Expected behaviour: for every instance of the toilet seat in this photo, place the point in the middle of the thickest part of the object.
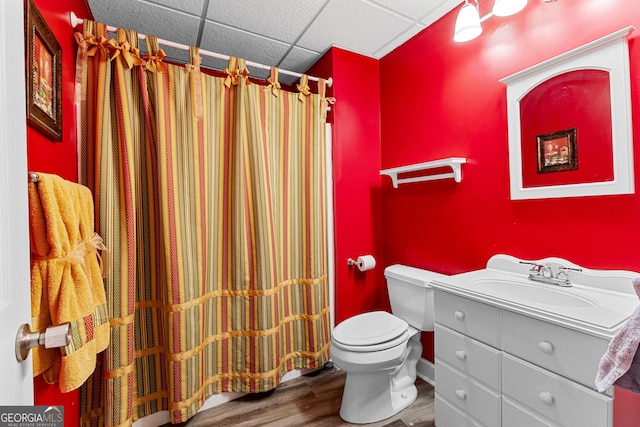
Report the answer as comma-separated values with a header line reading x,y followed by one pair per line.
x,y
374,331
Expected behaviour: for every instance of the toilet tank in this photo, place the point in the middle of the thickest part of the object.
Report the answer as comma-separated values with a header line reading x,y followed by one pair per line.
x,y
411,295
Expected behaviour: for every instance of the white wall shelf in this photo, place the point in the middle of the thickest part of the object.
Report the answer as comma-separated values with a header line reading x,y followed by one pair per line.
x,y
453,162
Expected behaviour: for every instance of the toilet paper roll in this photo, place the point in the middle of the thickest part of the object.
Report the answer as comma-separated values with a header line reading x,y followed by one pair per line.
x,y
366,262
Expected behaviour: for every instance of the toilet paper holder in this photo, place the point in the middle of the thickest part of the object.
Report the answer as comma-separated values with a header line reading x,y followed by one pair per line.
x,y
363,263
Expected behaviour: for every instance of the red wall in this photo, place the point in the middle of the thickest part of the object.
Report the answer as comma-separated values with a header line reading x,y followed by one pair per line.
x,y
60,158
450,103
446,102
356,177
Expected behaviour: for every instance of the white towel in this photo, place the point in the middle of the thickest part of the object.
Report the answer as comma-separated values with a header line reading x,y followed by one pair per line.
x,y
620,365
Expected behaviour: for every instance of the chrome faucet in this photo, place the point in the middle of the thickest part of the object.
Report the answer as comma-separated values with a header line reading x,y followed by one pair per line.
x,y
544,274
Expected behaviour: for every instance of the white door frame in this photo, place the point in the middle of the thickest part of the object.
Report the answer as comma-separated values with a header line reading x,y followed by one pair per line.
x,y
15,307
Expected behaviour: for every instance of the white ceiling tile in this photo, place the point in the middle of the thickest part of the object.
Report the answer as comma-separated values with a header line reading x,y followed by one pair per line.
x,y
414,9
299,60
190,6
291,34
282,20
398,41
444,7
146,18
356,25
230,41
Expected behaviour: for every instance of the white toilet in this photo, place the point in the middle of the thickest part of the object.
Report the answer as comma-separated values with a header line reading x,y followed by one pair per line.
x,y
379,351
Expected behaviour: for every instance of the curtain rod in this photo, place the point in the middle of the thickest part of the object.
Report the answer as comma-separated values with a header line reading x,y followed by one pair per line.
x,y
75,21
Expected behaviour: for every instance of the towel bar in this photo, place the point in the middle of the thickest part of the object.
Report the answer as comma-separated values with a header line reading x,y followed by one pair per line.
x,y
453,162
33,177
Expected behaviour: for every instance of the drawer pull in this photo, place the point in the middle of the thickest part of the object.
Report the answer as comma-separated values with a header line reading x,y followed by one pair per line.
x,y
459,315
461,355
461,394
546,398
546,347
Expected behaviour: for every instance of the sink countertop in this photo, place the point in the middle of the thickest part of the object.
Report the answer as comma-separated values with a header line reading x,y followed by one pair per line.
x,y
598,303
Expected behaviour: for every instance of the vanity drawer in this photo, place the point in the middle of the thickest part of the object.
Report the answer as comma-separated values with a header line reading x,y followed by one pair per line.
x,y
515,415
468,395
472,318
448,416
468,355
555,397
556,348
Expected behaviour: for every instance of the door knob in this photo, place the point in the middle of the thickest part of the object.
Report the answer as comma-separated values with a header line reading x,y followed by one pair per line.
x,y
52,337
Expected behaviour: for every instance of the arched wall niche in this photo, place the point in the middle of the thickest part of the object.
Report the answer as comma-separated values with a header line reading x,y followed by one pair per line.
x,y
580,101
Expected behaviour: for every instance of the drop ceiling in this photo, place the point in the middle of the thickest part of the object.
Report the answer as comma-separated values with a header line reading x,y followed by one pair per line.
x,y
289,34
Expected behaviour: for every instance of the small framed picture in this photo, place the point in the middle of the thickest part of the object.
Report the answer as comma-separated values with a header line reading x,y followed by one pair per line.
x,y
557,151
44,75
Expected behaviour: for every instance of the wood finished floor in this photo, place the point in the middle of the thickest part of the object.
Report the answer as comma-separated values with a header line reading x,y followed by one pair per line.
x,y
310,400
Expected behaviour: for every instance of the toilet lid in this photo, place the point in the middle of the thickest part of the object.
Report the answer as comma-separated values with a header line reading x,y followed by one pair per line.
x,y
371,330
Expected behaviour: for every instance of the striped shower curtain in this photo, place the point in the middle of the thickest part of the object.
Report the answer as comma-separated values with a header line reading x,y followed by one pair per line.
x,y
210,193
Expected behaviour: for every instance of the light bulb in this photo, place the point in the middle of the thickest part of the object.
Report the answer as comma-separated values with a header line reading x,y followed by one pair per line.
x,y
508,7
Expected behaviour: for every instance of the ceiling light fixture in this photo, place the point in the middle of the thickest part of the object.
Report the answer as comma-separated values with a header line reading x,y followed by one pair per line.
x,y
468,23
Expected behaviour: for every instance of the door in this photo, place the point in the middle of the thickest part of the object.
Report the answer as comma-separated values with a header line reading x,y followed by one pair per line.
x,y
15,308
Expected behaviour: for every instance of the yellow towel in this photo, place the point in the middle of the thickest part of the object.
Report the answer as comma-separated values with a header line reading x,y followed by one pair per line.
x,y
66,282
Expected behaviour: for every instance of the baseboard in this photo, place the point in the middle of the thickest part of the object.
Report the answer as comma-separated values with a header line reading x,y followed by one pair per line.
x,y
162,417
426,371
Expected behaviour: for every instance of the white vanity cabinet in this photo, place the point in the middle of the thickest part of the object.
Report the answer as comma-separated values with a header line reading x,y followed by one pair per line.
x,y
518,344
504,362
498,368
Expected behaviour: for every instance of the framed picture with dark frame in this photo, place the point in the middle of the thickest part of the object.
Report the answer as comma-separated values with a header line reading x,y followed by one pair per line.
x,y
557,151
44,75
